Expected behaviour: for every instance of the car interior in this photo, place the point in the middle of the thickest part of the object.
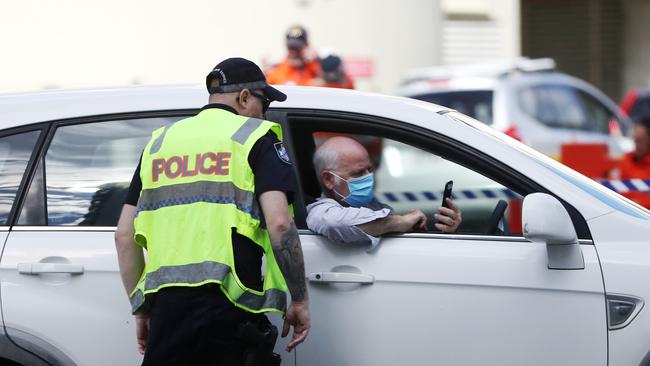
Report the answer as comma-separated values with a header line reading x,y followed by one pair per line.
x,y
303,130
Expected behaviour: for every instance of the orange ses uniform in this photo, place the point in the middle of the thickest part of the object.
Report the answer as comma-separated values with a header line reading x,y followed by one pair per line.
x,y
629,168
285,73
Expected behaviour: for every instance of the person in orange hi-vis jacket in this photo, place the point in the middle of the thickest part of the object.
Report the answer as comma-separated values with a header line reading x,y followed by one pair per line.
x,y
636,164
301,66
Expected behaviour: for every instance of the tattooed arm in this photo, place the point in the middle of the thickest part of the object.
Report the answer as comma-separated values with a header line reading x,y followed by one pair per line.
x,y
288,254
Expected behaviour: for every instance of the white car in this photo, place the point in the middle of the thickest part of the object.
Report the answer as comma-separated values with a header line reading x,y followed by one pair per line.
x,y
567,289
526,99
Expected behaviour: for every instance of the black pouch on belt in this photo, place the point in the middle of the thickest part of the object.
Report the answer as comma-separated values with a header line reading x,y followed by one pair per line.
x,y
259,339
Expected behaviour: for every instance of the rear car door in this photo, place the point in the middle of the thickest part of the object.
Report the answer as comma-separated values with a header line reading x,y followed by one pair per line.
x,y
18,148
448,299
61,289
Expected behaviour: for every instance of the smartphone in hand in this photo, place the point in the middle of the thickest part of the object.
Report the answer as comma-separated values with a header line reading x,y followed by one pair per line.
x,y
447,193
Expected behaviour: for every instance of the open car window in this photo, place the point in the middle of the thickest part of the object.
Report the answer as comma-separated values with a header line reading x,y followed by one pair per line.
x,y
413,164
410,178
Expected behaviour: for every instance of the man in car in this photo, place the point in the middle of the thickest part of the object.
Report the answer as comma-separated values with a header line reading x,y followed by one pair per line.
x,y
348,211
636,164
197,204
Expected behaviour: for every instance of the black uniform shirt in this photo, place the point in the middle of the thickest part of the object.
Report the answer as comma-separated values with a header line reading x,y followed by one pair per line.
x,y
272,173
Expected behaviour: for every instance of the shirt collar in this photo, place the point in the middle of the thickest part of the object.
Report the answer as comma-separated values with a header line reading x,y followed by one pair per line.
x,y
219,106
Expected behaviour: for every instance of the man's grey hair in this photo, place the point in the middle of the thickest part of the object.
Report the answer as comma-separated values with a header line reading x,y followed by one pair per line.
x,y
325,159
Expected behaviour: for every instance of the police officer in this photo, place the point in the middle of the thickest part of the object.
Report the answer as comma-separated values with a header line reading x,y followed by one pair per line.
x,y
210,196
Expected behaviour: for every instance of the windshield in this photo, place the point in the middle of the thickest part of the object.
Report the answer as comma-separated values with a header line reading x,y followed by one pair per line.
x,y
589,186
474,103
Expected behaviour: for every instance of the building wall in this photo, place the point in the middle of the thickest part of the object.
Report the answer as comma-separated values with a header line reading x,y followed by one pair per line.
x,y
583,36
636,44
81,43
478,30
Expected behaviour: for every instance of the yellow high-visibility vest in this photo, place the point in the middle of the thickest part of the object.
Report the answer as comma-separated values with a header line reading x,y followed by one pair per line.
x,y
197,186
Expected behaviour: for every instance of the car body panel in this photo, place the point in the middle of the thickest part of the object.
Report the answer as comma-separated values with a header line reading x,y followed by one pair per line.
x,y
453,301
87,307
625,260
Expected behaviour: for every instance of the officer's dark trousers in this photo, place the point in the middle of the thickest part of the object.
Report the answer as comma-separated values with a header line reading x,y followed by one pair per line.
x,y
194,326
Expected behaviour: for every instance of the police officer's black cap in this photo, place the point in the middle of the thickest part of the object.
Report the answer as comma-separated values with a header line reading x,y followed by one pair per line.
x,y
235,74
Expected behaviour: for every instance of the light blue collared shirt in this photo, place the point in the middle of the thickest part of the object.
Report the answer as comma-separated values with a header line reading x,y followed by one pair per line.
x,y
330,219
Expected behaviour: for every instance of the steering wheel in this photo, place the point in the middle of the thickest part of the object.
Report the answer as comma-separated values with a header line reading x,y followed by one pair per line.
x,y
495,218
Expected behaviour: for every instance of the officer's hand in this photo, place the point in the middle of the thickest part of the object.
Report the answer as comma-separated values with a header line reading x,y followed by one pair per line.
x,y
298,317
448,218
142,332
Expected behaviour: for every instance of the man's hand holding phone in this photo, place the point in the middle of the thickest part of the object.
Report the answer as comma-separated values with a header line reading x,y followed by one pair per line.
x,y
448,216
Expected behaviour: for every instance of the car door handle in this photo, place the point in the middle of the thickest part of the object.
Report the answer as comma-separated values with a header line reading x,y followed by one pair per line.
x,y
341,277
40,268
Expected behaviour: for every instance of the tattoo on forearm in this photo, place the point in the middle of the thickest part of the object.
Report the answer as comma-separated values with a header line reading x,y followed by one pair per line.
x,y
288,254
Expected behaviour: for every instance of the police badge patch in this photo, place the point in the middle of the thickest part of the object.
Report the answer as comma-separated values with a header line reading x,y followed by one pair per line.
x,y
282,152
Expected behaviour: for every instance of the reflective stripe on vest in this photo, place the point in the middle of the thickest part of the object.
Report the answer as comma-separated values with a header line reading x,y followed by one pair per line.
x,y
244,132
240,136
211,272
202,191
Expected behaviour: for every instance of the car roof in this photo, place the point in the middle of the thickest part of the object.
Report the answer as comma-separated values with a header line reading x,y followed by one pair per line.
x,y
451,85
464,83
486,68
492,82
33,107
26,108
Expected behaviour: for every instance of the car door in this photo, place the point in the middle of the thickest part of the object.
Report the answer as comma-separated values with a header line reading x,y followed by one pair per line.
x,y
18,147
61,289
605,121
444,299
560,117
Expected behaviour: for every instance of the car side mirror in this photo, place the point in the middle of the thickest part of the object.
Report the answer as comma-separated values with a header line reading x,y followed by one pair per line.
x,y
545,220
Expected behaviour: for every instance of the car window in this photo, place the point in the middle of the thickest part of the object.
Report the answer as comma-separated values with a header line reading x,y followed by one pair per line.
x,y
554,106
600,117
589,186
407,178
88,169
15,152
474,103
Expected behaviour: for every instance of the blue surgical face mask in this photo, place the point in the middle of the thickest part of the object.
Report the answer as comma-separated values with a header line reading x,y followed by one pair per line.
x,y
361,190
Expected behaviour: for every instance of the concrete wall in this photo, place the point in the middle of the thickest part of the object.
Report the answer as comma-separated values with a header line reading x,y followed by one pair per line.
x,y
636,44
480,29
81,43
